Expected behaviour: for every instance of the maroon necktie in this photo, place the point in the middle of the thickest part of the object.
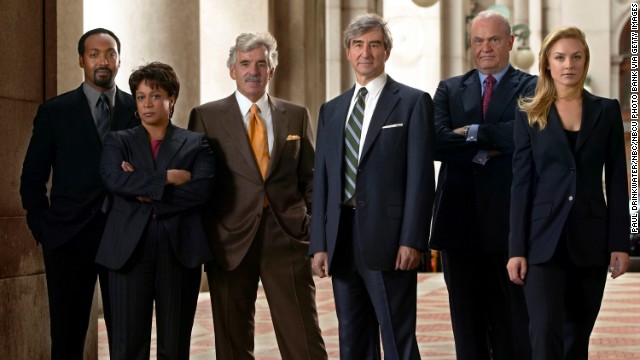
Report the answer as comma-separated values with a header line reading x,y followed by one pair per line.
x,y
488,91
155,146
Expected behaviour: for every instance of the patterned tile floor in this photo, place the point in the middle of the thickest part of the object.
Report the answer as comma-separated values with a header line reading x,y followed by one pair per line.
x,y
616,334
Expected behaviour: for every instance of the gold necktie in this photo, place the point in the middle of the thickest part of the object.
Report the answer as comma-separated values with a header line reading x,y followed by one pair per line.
x,y
259,142
258,138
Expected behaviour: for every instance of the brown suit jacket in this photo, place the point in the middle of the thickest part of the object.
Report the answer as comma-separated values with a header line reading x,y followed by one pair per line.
x,y
235,211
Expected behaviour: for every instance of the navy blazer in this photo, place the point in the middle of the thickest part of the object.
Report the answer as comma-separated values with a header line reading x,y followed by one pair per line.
x,y
471,210
66,140
554,191
176,207
395,179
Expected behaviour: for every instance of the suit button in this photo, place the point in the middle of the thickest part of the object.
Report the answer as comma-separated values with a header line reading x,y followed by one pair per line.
x,y
572,171
570,198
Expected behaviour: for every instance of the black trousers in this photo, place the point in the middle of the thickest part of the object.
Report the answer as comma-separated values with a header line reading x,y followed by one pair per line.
x,y
153,274
488,312
71,280
564,301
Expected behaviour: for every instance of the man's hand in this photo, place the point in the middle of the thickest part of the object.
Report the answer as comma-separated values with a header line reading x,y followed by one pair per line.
x,y
517,268
619,263
408,258
460,131
320,263
178,177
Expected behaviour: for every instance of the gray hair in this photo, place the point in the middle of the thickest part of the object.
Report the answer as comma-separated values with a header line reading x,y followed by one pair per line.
x,y
364,23
248,41
491,14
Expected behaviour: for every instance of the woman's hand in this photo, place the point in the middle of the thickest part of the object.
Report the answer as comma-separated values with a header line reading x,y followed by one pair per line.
x,y
517,268
178,177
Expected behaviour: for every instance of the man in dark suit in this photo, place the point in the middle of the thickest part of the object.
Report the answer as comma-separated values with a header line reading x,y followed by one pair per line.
x,y
66,143
372,199
474,142
259,217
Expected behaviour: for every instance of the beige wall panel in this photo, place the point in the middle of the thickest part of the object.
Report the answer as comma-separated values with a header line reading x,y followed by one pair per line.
x,y
21,61
20,254
16,120
25,318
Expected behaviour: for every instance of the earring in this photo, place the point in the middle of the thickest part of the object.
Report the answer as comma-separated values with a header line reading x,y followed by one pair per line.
x,y
136,114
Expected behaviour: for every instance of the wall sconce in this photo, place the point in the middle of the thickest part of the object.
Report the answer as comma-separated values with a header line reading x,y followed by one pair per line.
x,y
523,57
425,3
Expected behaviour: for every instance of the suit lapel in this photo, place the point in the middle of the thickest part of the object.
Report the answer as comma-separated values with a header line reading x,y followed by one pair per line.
x,y
554,126
122,113
472,99
590,117
141,149
502,95
85,120
171,144
335,128
232,122
280,126
386,102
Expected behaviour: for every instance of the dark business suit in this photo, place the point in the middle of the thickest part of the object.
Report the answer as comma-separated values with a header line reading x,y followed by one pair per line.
x,y
471,216
562,224
155,249
393,202
251,242
69,222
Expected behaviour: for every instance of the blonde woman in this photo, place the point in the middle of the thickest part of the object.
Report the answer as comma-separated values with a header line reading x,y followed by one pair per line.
x,y
564,235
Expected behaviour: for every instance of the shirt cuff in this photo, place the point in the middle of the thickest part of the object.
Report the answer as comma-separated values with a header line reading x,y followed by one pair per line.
x,y
482,156
472,134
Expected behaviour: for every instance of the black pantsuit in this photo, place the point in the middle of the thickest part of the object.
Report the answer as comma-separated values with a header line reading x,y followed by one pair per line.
x,y
153,274
562,222
154,249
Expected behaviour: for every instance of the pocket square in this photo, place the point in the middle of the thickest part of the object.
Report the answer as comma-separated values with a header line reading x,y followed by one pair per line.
x,y
392,126
293,137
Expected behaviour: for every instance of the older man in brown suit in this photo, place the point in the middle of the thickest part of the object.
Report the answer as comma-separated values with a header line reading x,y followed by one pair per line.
x,y
258,219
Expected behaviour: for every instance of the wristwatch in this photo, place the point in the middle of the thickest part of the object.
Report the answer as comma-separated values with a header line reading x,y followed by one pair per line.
x,y
466,130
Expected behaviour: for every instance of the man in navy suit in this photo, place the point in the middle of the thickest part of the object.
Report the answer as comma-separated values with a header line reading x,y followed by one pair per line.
x,y
66,144
471,213
373,192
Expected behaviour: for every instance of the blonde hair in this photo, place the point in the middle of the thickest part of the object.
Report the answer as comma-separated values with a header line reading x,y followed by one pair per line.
x,y
538,106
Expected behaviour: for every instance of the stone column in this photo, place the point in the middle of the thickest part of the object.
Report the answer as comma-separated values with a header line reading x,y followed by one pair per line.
x,y
416,55
28,78
221,23
453,38
299,27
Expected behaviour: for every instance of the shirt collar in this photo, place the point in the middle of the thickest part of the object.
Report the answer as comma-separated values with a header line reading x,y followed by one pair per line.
x,y
373,87
93,95
245,104
498,76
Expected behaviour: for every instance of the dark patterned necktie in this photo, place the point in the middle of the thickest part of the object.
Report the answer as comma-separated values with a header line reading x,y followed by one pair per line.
x,y
352,145
103,119
488,92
